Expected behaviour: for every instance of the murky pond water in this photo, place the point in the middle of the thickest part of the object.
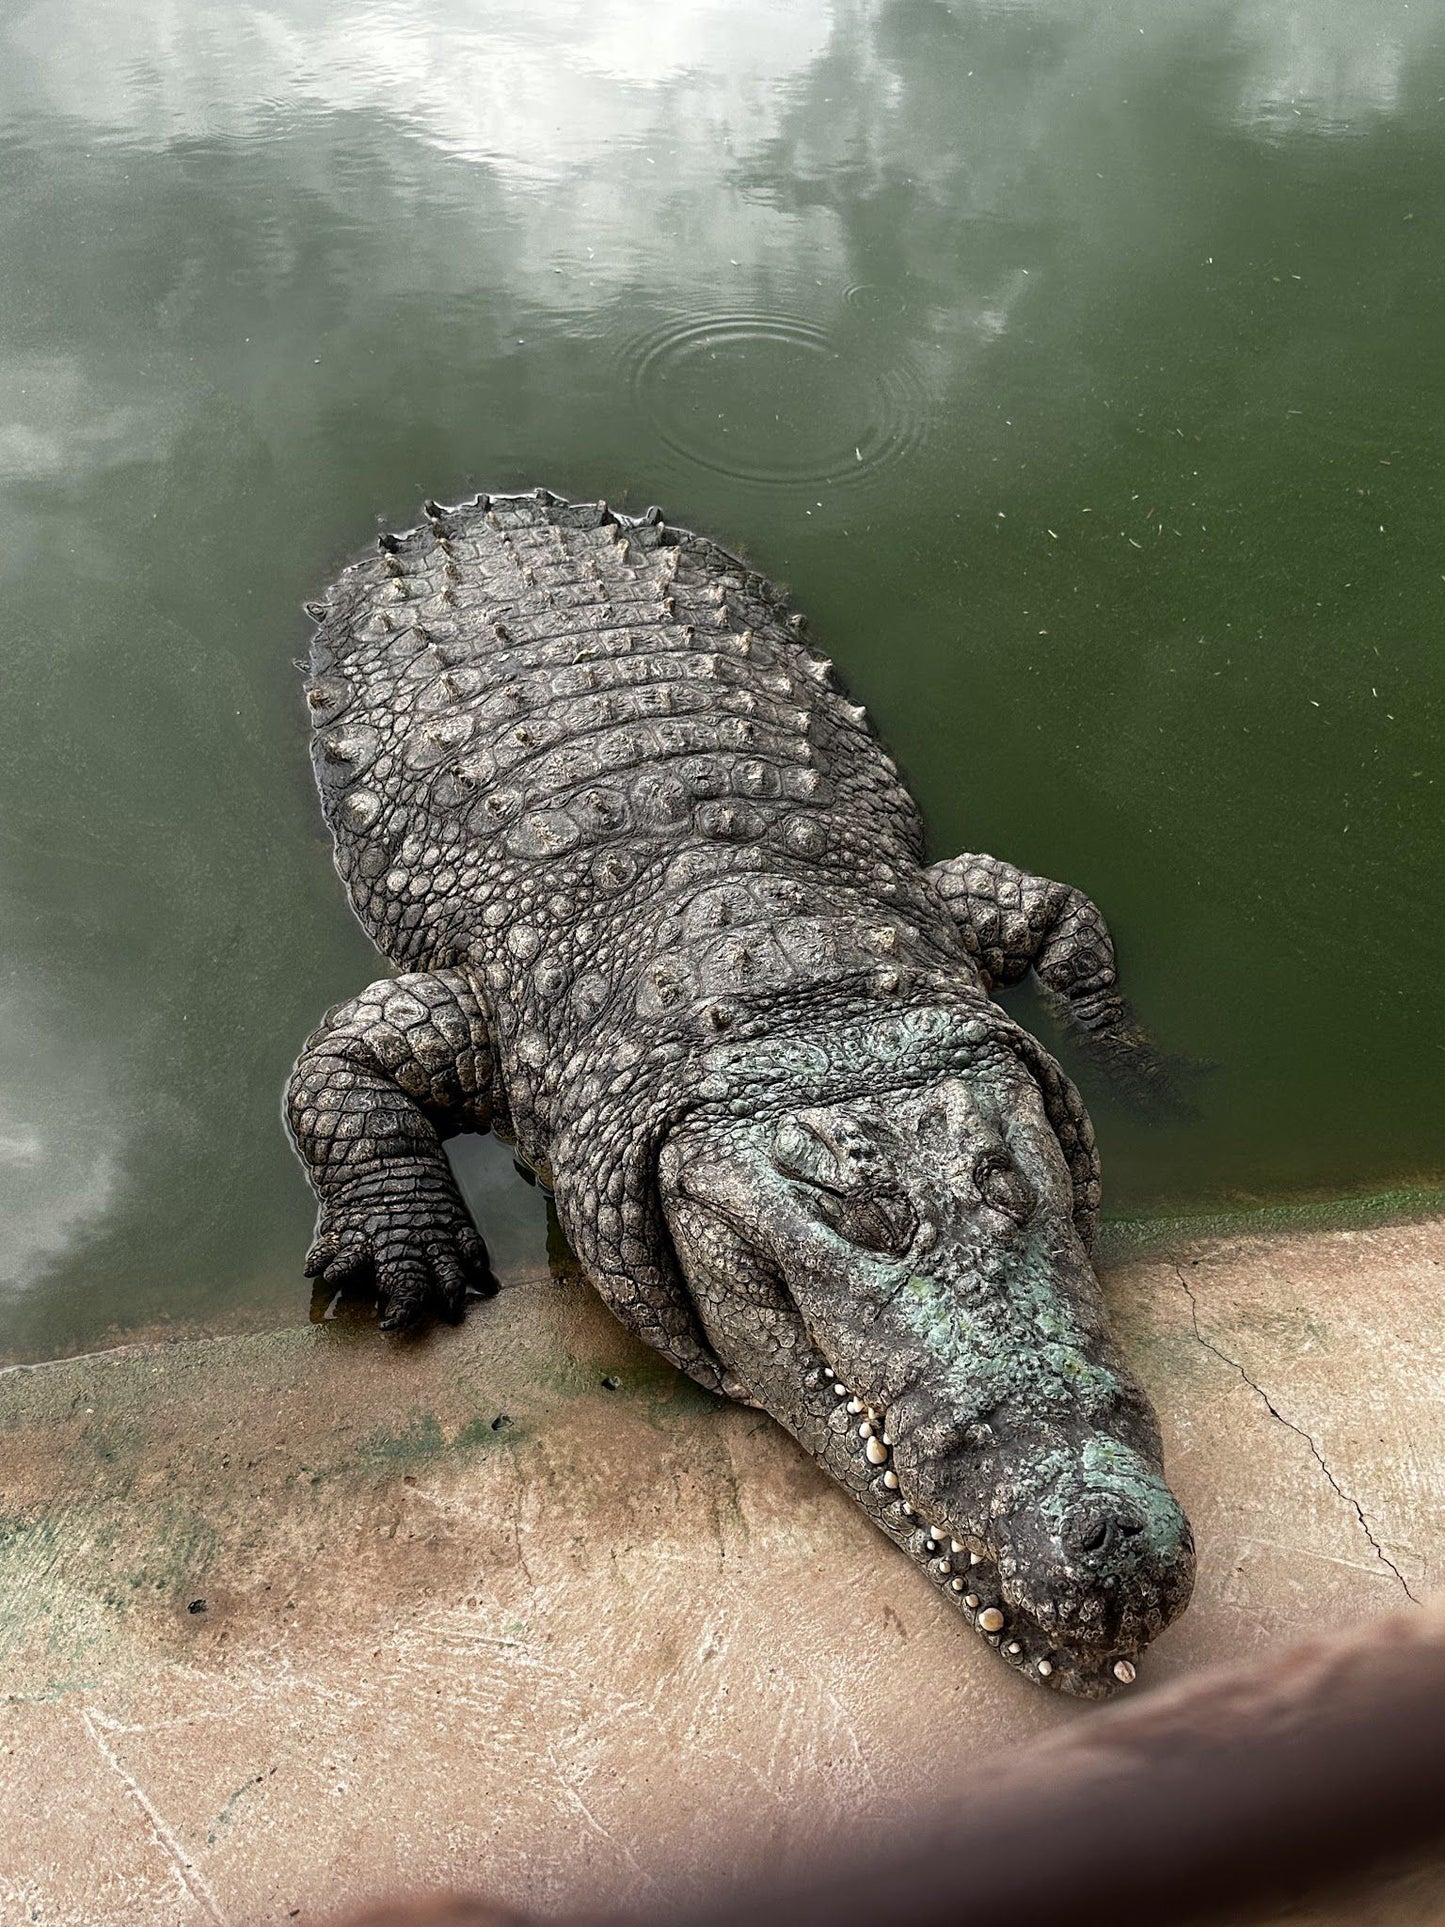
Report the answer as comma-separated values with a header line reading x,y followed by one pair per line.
x,y
1078,365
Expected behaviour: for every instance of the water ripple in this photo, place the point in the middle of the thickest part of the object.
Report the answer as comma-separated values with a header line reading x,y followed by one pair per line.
x,y
772,398
872,298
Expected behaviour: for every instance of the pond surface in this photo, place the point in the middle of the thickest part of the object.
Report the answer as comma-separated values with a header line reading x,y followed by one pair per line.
x,y
1078,365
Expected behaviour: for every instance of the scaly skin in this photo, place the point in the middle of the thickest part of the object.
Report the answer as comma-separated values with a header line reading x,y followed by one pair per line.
x,y
660,900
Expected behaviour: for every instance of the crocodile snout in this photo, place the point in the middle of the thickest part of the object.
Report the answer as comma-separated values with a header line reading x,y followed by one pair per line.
x,y
1102,1556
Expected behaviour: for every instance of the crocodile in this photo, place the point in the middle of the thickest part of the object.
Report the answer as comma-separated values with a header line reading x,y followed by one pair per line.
x,y
659,909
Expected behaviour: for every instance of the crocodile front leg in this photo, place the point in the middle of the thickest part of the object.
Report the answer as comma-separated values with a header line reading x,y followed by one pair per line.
x,y
376,1089
1014,922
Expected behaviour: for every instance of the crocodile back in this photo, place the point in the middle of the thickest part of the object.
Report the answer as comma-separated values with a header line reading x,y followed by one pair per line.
x,y
526,708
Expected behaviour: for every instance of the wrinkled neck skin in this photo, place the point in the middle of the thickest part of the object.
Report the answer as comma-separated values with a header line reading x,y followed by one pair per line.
x,y
897,1278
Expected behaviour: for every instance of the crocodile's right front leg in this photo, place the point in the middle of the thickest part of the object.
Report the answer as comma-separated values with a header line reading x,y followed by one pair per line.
x,y
376,1089
1013,922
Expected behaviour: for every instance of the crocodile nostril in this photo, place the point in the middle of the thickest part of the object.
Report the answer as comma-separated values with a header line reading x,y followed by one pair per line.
x,y
1095,1526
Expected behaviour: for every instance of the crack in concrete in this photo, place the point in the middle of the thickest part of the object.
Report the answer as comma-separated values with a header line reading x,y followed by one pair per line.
x,y
184,1871
1269,1405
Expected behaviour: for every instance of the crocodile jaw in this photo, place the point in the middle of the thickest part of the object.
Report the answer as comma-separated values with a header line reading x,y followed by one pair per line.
x,y
854,1441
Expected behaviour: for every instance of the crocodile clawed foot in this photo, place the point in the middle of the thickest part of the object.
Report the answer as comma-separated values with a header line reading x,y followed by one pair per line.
x,y
1160,1088
416,1269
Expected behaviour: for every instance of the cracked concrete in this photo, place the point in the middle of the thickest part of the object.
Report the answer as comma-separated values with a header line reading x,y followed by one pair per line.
x,y
1275,1413
293,1619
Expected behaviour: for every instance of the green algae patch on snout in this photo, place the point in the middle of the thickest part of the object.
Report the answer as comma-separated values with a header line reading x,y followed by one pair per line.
x,y
1016,1340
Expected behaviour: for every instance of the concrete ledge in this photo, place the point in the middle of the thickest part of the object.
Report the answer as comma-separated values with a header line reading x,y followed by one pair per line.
x,y
289,1621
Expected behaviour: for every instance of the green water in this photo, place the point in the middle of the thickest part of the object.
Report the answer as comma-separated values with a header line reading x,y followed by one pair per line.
x,y
1079,366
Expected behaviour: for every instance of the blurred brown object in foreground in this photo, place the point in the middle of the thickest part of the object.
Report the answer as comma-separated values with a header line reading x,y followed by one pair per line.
x,y
440,1910
1236,1789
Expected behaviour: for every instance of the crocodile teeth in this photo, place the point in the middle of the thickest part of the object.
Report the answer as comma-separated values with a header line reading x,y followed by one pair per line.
x,y
871,1423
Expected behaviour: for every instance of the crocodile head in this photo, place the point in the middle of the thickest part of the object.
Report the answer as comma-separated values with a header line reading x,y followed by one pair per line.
x,y
897,1275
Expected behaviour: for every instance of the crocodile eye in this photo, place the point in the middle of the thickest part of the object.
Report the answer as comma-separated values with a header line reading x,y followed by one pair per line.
x,y
847,1179
884,1221
1004,1187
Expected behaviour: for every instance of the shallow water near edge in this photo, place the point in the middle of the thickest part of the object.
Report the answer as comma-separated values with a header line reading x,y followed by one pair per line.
x,y
1077,367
